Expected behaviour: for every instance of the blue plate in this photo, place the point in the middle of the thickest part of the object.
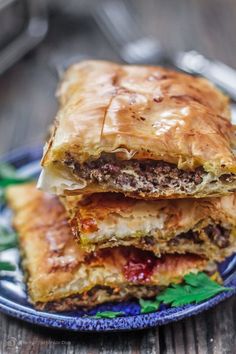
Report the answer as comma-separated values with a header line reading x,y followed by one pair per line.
x,y
13,298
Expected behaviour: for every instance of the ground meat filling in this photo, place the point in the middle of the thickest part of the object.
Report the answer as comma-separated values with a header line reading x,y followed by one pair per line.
x,y
186,236
217,234
96,294
133,175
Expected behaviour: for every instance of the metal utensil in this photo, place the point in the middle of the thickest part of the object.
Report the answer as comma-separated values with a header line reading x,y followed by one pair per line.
x,y
118,24
23,25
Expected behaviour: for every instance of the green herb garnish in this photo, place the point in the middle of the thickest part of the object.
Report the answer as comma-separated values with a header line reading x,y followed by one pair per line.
x,y
9,176
194,289
2,196
6,266
197,288
149,305
7,170
108,314
8,238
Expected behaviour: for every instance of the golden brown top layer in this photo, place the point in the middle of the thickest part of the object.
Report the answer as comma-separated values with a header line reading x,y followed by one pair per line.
x,y
141,112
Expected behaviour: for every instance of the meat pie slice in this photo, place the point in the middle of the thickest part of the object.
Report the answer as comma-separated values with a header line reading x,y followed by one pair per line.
x,y
206,227
62,277
147,132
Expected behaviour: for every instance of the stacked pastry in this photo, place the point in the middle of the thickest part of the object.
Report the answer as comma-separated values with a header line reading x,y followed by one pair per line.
x,y
138,179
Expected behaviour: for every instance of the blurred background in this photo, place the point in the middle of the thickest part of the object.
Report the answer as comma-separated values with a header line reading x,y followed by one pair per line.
x,y
38,39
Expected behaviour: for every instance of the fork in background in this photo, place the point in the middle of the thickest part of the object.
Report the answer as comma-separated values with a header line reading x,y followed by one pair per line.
x,y
117,21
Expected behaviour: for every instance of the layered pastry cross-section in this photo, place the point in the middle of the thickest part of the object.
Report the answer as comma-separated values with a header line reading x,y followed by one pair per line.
x,y
147,132
60,276
206,227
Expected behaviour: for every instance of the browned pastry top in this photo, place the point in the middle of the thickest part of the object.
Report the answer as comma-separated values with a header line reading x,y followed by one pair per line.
x,y
141,111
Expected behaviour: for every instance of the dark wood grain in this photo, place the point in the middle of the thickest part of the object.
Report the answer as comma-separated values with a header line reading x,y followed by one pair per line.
x,y
210,332
27,107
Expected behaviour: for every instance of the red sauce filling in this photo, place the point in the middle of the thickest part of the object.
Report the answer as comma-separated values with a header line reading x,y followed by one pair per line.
x,y
89,225
140,265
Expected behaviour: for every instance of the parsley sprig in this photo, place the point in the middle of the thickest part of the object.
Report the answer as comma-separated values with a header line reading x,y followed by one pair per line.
x,y
108,314
195,289
9,175
7,266
8,238
149,305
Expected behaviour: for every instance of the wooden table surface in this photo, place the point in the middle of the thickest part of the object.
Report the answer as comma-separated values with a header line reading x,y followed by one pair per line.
x,y
27,106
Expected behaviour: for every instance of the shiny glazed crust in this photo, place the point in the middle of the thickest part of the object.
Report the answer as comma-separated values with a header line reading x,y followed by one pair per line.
x,y
138,112
58,269
108,220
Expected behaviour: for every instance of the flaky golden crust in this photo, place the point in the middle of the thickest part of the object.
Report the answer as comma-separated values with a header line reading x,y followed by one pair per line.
x,y
58,268
140,112
180,214
210,190
155,112
108,220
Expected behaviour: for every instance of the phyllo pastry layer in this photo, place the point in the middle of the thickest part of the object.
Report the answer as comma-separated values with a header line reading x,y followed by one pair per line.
x,y
148,132
206,227
61,276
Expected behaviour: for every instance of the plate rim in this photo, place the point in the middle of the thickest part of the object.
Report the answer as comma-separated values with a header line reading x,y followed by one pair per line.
x,y
129,322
